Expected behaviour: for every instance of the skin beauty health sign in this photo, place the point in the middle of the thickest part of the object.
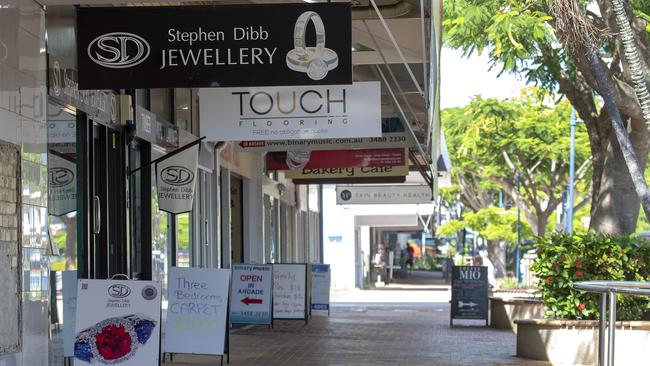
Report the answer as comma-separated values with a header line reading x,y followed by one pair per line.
x,y
320,286
291,113
117,323
289,291
250,298
197,311
214,46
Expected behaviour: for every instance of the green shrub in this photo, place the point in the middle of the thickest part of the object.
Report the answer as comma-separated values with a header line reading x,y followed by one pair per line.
x,y
565,259
428,263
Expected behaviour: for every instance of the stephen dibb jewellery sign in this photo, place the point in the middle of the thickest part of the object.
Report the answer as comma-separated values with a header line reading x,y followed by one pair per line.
x,y
215,46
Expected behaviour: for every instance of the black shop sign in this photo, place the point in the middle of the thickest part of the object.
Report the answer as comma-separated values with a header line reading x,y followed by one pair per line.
x,y
214,46
469,293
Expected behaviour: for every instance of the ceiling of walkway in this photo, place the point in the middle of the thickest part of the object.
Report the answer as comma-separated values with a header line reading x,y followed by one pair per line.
x,y
373,50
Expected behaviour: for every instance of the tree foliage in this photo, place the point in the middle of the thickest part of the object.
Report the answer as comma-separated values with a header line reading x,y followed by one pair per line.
x,y
523,38
492,223
493,141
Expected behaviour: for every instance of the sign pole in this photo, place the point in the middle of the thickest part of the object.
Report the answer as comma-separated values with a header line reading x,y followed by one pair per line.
x,y
177,151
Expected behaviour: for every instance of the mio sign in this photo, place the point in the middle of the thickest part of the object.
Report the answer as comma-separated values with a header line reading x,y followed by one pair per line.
x,y
469,293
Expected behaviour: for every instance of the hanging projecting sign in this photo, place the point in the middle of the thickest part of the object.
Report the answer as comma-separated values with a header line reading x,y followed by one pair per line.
x,y
250,299
395,194
335,159
320,286
117,323
363,172
391,139
290,113
62,185
197,311
215,46
176,180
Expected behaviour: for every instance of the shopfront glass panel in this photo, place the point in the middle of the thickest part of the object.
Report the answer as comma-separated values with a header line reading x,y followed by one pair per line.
x,y
62,192
160,234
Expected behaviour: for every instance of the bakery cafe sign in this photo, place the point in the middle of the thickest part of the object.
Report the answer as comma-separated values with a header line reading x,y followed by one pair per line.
x,y
214,46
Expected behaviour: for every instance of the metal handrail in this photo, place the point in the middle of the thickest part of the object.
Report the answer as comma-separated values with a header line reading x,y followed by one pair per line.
x,y
608,291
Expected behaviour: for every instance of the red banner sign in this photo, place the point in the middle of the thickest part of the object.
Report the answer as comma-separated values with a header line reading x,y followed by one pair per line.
x,y
335,159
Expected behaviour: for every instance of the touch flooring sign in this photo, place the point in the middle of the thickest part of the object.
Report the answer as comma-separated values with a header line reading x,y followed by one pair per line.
x,y
291,113
214,46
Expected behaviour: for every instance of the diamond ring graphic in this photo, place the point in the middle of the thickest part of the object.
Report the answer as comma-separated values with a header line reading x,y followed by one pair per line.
x,y
314,61
113,340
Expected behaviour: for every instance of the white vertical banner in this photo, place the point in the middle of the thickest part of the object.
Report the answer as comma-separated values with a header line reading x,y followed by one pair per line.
x,y
62,182
320,286
176,180
69,279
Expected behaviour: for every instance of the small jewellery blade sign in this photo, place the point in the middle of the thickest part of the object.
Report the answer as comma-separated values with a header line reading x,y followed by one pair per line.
x,y
214,46
176,180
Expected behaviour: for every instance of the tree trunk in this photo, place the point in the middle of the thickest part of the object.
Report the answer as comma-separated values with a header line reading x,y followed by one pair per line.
x,y
623,140
70,242
497,255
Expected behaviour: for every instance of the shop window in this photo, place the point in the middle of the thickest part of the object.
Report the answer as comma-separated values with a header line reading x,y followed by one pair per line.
x,y
160,235
62,198
183,240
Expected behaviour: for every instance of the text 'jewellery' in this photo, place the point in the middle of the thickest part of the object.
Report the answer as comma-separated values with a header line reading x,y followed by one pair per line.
x,y
314,61
113,340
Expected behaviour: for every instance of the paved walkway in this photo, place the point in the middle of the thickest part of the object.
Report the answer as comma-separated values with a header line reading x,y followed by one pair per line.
x,y
402,324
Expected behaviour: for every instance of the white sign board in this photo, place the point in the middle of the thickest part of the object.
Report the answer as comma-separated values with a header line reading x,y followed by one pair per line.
x,y
387,140
69,279
289,291
376,194
118,322
62,181
250,295
176,180
320,286
197,311
291,113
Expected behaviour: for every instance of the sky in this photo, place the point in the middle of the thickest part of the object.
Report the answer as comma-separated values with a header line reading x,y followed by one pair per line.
x,y
462,78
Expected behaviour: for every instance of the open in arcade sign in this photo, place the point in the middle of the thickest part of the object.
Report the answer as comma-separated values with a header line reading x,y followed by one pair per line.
x,y
214,46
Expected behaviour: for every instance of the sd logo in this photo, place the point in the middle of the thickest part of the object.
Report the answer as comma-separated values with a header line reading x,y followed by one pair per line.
x,y
60,177
177,175
119,291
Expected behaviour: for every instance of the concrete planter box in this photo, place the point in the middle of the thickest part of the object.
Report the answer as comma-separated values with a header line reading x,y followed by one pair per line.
x,y
504,311
575,342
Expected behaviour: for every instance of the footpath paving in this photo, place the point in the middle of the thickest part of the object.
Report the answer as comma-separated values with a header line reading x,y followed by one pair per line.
x,y
403,324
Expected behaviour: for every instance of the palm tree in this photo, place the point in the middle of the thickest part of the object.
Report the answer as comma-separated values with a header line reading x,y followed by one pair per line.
x,y
634,61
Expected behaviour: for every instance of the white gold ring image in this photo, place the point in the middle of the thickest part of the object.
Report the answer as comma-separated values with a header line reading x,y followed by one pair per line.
x,y
314,61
